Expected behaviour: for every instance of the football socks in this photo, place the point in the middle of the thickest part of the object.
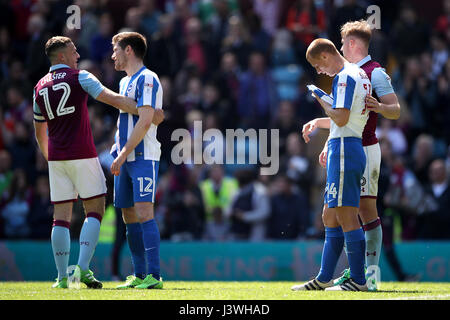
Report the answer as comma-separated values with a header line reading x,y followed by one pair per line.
x,y
356,248
374,238
136,244
151,238
332,248
60,239
88,239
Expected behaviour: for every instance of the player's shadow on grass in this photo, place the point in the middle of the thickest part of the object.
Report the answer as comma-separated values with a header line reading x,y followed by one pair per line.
x,y
128,290
400,291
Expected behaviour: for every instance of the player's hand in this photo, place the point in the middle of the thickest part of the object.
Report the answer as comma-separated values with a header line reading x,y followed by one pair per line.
x,y
308,128
322,103
373,104
323,158
117,163
158,116
316,96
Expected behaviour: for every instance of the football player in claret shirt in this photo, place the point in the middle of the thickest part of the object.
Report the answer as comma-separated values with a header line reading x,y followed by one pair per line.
x,y
345,167
60,108
356,37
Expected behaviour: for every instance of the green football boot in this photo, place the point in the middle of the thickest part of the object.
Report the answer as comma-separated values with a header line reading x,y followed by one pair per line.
x,y
345,275
61,284
372,279
131,282
371,282
87,277
150,283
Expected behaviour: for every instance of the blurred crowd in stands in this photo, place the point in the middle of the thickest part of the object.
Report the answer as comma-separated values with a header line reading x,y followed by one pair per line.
x,y
235,64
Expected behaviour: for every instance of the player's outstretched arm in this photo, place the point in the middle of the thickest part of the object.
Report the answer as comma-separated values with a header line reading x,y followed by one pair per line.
x,y
40,129
140,129
312,125
388,107
126,104
118,101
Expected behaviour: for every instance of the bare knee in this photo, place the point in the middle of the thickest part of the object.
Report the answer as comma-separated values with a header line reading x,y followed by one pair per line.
x,y
96,205
368,210
129,215
348,218
63,211
144,211
329,218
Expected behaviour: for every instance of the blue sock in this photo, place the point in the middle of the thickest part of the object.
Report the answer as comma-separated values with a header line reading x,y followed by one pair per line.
x,y
88,239
134,237
356,248
60,239
151,237
332,249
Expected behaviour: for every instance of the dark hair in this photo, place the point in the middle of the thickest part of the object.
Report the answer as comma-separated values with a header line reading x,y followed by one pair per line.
x,y
56,43
135,40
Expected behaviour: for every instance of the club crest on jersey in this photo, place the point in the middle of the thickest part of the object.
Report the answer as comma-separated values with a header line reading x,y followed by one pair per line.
x,y
130,86
148,87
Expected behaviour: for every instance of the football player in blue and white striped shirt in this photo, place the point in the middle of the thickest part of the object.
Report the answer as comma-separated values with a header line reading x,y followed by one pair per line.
x,y
137,153
345,167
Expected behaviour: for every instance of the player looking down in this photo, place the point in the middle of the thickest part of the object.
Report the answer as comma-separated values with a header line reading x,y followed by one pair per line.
x,y
356,37
345,166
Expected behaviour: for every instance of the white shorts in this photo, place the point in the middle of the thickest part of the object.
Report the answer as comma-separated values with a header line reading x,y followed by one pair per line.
x,y
369,181
70,178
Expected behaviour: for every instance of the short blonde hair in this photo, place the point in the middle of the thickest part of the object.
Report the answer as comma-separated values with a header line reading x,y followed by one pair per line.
x,y
359,29
318,46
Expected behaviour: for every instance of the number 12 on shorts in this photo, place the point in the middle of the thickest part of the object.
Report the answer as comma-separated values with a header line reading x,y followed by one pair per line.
x,y
147,189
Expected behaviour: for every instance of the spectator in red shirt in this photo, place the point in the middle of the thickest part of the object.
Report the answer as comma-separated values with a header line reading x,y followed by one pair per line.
x,y
305,21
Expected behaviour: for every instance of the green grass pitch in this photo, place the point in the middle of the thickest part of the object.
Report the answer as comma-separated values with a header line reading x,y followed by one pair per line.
x,y
217,290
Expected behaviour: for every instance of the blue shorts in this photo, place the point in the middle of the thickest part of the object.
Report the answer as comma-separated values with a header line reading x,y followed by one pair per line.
x,y
136,183
345,168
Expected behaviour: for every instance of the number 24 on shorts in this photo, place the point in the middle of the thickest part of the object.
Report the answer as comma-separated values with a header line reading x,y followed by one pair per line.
x,y
331,189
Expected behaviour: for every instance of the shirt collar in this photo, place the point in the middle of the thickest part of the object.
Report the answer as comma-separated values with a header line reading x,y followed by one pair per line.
x,y
345,64
138,72
58,66
364,61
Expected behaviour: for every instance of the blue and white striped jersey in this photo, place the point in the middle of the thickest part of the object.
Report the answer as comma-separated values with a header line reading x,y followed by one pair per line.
x,y
349,90
145,88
